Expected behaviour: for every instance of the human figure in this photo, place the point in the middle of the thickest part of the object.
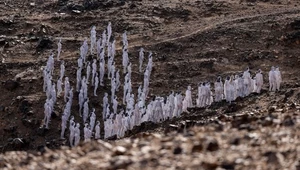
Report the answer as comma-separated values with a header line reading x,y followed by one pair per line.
x,y
115,105
109,31
278,78
247,82
272,79
141,59
102,71
259,81
118,83
81,101
88,72
58,49
92,119
125,60
105,103
77,134
72,133
96,84
97,130
219,90
59,87
62,70
94,70
93,39
85,110
86,132
64,119
78,80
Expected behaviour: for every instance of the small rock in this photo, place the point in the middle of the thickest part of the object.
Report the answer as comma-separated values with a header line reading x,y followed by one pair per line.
x,y
11,85
289,93
209,165
177,150
41,149
212,145
10,129
19,97
271,157
44,43
197,148
120,150
246,127
120,162
2,108
24,106
76,11
228,165
29,122
267,121
42,131
233,107
114,137
272,109
235,141
288,121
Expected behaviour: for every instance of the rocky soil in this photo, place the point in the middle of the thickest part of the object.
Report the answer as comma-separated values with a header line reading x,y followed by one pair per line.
x,y
192,41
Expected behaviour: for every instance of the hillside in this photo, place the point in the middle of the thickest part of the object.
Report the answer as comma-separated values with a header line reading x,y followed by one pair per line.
x,y
192,42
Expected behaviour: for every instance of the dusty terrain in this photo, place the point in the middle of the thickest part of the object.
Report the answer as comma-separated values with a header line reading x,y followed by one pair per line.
x,y
192,41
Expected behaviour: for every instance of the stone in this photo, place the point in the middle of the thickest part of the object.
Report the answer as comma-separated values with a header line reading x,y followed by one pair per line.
x,y
212,145
177,150
235,141
197,147
44,43
11,85
120,150
288,121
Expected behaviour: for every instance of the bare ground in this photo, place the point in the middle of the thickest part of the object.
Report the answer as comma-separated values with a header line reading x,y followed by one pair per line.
x,y
192,41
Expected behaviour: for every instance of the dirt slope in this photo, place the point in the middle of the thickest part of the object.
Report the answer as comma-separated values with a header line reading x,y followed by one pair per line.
x,y
192,42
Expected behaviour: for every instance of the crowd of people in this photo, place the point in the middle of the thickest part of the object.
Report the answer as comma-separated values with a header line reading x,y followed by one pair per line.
x,y
137,108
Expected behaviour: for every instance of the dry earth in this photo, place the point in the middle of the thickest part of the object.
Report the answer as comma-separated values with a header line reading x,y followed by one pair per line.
x,y
192,41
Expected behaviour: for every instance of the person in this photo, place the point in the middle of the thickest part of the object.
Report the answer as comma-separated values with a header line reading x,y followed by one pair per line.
x,y
141,59
247,82
85,110
63,125
62,70
278,78
219,90
67,88
188,95
93,39
272,79
77,134
94,70
97,130
96,84
88,72
209,98
259,81
72,133
104,106
102,71
86,132
229,89
59,87
58,49
92,119
78,80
